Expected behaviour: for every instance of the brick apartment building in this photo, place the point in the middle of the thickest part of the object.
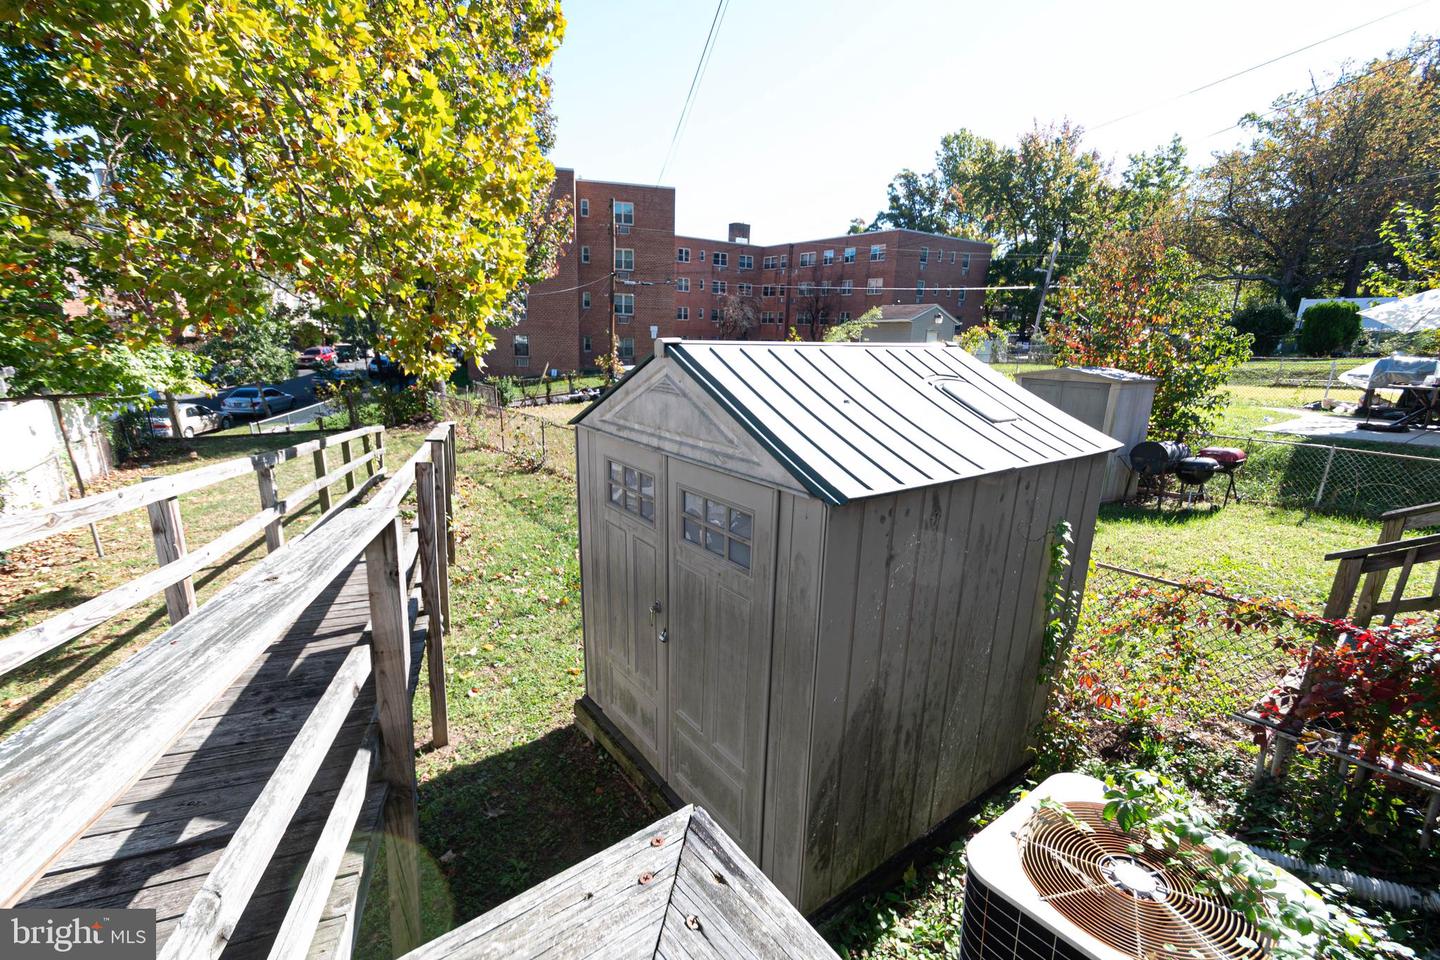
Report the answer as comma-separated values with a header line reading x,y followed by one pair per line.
x,y
672,286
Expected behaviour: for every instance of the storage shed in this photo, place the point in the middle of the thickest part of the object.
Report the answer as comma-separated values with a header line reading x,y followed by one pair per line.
x,y
1115,402
813,582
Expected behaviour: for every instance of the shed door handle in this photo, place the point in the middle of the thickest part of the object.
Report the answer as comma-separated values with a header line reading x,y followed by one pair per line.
x,y
656,607
664,636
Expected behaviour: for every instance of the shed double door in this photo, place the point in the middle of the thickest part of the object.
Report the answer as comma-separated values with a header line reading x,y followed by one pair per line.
x,y
689,593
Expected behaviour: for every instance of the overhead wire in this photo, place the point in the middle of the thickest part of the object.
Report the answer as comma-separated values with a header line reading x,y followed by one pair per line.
x,y
695,81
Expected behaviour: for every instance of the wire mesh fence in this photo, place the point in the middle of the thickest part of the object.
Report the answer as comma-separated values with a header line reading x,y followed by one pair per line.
x,y
1330,478
532,441
1296,382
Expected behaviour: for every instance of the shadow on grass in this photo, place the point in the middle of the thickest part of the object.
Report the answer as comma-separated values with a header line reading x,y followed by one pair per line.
x,y
496,827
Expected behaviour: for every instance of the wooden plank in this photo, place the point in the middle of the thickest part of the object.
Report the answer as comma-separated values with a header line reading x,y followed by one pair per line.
x,y
321,469
270,500
297,930
62,771
28,525
1376,550
321,486
345,456
1342,588
20,648
391,642
432,552
217,907
441,454
168,530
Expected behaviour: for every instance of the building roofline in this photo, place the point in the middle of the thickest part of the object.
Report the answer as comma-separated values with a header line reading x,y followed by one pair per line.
x,y
624,183
987,247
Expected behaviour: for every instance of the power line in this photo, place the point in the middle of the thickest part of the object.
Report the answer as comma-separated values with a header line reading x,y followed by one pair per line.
x,y
705,52
1258,66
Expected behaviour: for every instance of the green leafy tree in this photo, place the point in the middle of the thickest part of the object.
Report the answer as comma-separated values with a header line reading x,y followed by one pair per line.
x,y
1300,207
852,330
1412,234
1140,305
181,161
254,351
1328,327
1267,322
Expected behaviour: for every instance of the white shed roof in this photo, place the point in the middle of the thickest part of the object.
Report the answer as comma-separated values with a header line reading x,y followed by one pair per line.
x,y
854,420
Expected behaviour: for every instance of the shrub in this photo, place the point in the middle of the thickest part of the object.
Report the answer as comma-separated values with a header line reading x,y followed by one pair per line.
x,y
1268,323
1328,327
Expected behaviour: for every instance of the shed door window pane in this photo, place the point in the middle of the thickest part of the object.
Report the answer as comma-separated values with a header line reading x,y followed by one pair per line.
x,y
717,527
631,490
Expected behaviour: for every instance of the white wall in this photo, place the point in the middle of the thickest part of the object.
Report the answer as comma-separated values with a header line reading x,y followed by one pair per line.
x,y
34,470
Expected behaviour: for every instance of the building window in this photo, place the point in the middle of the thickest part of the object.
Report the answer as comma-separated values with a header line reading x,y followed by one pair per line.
x,y
770,263
682,254
700,257
844,316
849,255
964,263
715,315
784,259
828,258
585,344
746,262
717,286
872,286
522,350
744,289
682,284
952,256
584,207
960,297
720,259
624,258
631,490
805,288
847,287
624,213
585,300
627,348
584,254
767,290
807,259
924,256
717,528
877,251
624,305
682,313
919,291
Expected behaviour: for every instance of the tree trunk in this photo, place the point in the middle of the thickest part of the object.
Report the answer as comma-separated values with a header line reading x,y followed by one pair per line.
x,y
174,409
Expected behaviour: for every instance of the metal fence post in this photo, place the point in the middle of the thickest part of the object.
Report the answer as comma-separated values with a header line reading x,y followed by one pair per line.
x,y
542,443
1324,476
1330,380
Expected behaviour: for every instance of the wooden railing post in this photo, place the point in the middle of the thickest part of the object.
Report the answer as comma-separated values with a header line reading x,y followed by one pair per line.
x,y
169,532
365,446
380,445
269,497
430,508
345,456
322,468
390,641
449,509
445,535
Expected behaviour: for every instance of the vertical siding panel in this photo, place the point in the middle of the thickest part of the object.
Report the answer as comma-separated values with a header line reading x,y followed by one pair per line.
x,y
986,540
589,578
864,699
797,598
832,670
899,574
947,636
923,641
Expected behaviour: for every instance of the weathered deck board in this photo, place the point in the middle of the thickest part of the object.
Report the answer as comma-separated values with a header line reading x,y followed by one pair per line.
x,y
155,846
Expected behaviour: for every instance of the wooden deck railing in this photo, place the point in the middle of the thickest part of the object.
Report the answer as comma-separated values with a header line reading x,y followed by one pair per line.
x,y
178,563
63,771
1375,561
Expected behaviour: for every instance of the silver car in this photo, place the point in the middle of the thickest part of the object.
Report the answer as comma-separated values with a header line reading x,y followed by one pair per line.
x,y
246,401
194,419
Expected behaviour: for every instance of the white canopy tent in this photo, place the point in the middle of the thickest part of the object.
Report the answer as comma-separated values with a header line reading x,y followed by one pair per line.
x,y
1408,315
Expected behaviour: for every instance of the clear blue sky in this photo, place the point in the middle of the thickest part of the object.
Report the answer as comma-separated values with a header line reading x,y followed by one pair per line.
x,y
807,109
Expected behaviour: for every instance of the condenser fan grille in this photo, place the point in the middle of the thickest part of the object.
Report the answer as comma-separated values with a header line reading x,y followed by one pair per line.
x,y
1127,896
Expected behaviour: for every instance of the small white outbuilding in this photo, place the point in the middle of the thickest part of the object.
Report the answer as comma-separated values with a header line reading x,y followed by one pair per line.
x,y
814,582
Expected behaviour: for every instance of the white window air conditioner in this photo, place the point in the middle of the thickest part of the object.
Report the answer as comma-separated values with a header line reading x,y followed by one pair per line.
x,y
1042,885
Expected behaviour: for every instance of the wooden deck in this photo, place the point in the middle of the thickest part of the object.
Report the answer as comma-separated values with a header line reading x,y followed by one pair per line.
x,y
156,845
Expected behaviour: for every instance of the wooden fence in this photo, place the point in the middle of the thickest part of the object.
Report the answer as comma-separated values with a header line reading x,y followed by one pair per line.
x,y
178,563
62,772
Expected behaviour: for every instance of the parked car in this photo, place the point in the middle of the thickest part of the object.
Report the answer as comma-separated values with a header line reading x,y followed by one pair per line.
x,y
321,356
194,420
382,367
338,374
346,352
246,400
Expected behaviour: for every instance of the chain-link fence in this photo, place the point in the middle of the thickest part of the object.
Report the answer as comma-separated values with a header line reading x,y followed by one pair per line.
x,y
1292,383
1330,478
533,441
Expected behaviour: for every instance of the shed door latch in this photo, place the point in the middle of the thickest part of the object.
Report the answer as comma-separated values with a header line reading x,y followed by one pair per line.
x,y
656,607
664,636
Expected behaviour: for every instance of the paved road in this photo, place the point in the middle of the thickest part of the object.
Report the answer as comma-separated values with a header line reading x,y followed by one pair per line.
x,y
301,387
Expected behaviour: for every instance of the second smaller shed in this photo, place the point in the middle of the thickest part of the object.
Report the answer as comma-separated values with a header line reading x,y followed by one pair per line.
x,y
1115,402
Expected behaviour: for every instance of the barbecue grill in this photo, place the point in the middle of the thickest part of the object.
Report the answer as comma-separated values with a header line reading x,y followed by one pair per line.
x,y
1230,459
1155,460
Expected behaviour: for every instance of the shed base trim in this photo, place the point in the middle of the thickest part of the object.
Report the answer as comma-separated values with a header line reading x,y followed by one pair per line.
x,y
600,730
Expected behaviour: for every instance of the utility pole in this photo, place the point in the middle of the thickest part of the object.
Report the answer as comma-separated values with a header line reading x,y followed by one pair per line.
x,y
614,344
1045,288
